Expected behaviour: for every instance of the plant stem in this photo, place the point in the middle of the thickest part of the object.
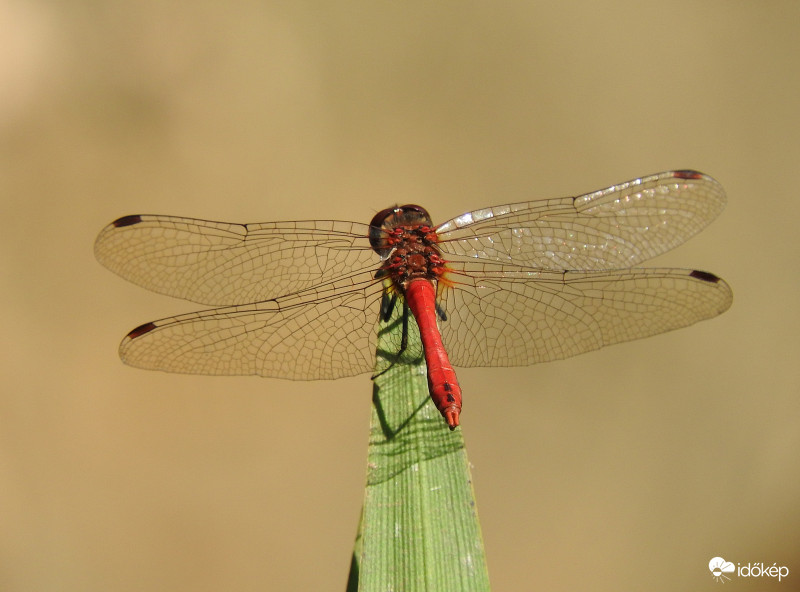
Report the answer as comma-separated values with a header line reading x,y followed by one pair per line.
x,y
419,527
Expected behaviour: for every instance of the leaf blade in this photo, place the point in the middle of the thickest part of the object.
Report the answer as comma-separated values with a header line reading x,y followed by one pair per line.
x,y
419,529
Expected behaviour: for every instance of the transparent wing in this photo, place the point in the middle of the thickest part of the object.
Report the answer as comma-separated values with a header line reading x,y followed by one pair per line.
x,y
217,263
506,316
323,333
612,228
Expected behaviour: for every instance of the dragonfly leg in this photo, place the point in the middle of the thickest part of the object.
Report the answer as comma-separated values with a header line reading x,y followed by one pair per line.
x,y
387,305
404,338
440,312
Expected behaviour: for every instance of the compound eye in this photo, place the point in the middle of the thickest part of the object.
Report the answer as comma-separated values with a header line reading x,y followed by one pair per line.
x,y
380,218
416,213
378,229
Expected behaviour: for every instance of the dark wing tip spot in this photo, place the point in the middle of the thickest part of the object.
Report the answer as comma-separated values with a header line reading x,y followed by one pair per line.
x,y
126,221
141,330
687,174
705,276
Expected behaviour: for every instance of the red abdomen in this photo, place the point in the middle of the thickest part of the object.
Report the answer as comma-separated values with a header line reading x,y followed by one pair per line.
x,y
442,383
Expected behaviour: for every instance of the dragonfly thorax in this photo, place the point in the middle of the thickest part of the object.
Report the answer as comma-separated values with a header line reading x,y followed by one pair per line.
x,y
388,226
414,260
405,238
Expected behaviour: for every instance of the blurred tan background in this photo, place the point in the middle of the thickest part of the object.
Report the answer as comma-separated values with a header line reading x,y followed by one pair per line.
x,y
628,468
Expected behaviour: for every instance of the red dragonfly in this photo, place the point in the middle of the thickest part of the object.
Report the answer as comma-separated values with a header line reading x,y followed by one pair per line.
x,y
507,285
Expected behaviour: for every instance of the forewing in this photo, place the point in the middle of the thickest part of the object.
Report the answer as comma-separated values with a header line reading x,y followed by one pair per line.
x,y
612,228
218,263
505,316
323,333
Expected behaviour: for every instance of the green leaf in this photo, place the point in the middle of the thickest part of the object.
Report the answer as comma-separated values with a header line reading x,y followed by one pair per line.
x,y
419,527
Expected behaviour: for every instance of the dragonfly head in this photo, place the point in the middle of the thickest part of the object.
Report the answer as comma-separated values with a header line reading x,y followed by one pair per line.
x,y
408,216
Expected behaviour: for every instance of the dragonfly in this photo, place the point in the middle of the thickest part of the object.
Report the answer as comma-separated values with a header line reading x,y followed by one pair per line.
x,y
508,285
